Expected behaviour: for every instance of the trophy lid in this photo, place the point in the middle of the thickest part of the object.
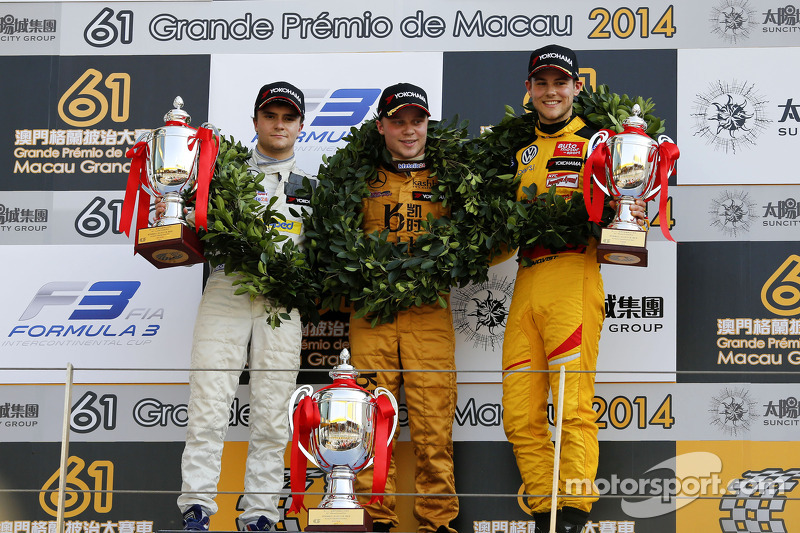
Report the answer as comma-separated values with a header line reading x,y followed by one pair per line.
x,y
634,120
344,370
177,114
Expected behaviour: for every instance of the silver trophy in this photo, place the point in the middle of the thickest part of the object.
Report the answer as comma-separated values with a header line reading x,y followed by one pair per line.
x,y
170,163
342,444
632,160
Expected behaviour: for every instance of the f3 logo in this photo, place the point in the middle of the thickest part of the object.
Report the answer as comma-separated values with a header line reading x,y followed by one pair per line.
x,y
102,31
346,107
84,104
108,301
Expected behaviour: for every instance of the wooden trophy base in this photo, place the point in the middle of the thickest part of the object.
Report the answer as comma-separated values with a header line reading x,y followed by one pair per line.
x,y
622,247
357,520
169,246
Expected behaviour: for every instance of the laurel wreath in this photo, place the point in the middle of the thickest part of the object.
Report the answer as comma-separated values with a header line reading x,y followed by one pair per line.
x,y
241,235
378,277
545,218
606,109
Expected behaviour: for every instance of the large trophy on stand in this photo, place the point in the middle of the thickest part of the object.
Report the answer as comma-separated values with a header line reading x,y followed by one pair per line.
x,y
341,429
627,166
170,163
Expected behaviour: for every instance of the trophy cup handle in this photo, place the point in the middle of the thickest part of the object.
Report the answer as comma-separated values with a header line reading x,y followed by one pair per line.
x,y
666,138
652,193
299,394
144,137
393,400
210,126
599,137
596,140
385,392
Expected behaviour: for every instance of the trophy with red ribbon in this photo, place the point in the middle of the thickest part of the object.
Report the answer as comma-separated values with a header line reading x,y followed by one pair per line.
x,y
627,166
168,163
341,429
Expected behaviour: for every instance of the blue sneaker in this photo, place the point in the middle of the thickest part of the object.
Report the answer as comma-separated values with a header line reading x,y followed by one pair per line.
x,y
195,519
262,523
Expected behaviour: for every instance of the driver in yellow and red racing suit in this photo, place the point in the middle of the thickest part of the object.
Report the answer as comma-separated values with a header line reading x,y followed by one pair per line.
x,y
555,319
420,338
556,313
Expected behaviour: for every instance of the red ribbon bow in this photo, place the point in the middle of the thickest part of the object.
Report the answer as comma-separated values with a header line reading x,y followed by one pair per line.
x,y
205,170
306,418
668,153
384,412
593,195
137,175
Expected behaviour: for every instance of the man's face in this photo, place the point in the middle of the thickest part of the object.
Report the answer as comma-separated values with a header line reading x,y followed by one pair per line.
x,y
552,93
405,133
277,124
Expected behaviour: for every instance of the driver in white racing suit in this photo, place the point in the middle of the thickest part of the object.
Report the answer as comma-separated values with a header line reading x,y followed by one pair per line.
x,y
227,323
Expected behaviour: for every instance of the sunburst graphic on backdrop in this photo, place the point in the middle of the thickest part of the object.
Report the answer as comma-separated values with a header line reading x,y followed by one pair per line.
x,y
732,212
729,116
733,411
732,20
480,311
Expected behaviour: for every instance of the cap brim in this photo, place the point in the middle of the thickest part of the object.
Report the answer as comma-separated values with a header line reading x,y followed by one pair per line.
x,y
283,98
557,67
391,112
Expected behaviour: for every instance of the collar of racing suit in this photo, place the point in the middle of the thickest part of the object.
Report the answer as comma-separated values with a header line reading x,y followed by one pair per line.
x,y
274,170
268,164
572,124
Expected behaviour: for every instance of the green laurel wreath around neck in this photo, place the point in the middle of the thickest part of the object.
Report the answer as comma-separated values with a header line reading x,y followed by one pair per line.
x,y
241,235
546,218
379,277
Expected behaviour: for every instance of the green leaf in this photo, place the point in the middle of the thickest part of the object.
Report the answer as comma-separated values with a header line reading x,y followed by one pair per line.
x,y
398,275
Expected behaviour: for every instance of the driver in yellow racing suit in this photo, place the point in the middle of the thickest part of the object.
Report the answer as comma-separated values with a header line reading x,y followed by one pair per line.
x,y
556,313
419,338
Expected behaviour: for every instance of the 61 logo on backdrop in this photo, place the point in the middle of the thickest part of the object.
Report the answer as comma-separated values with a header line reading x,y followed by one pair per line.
x,y
781,293
86,102
94,485
100,106
102,31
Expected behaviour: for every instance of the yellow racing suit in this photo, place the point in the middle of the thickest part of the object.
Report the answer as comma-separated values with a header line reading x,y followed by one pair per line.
x,y
420,338
555,320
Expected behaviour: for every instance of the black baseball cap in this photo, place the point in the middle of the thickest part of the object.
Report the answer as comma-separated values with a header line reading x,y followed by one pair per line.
x,y
554,56
400,95
281,90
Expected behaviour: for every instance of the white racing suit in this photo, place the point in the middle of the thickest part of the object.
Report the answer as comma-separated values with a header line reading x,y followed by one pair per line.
x,y
225,324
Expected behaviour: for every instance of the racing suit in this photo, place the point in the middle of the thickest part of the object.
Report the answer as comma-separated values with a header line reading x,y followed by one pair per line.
x,y
555,320
225,324
420,338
